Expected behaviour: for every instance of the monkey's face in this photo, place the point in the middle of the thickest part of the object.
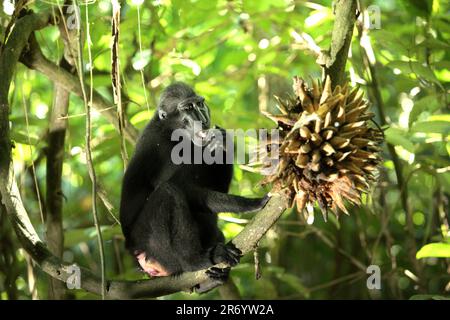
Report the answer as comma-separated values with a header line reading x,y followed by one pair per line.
x,y
181,108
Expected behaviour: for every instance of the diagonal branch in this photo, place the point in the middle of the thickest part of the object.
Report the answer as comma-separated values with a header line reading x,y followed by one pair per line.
x,y
8,60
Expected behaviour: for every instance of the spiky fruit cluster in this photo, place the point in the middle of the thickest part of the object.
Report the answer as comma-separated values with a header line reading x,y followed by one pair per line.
x,y
328,151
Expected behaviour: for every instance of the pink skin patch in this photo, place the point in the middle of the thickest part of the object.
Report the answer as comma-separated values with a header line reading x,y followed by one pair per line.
x,y
150,266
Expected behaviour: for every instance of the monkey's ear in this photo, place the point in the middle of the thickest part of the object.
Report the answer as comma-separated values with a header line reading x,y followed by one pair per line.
x,y
162,114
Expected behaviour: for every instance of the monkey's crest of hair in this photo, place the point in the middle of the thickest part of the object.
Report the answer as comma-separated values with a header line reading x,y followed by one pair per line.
x,y
177,91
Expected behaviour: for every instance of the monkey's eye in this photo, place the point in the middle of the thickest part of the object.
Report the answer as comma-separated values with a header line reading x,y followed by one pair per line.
x,y
162,114
186,106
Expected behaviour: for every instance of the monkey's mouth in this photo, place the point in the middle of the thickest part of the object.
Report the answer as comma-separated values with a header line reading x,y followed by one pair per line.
x,y
202,134
199,137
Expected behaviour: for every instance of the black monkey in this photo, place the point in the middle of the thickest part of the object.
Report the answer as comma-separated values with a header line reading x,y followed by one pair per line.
x,y
168,212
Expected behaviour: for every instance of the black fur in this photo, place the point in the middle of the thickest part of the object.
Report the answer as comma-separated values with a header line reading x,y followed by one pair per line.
x,y
170,211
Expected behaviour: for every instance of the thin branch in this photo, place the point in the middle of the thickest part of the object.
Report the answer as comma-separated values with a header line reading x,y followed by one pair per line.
x,y
332,244
31,278
335,60
115,77
103,195
141,71
55,156
33,167
54,194
88,150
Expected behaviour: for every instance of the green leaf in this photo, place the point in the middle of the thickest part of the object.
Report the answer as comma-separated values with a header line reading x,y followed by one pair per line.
x,y
398,137
23,138
390,41
75,236
414,67
434,44
102,80
441,65
428,103
436,126
418,7
436,250
141,59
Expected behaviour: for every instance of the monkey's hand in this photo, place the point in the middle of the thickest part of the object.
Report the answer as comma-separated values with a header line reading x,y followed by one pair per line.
x,y
226,253
215,140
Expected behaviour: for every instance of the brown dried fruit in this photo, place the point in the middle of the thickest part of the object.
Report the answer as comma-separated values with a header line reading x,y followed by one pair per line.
x,y
328,151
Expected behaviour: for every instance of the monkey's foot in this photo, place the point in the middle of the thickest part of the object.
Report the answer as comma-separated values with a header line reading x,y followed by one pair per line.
x,y
219,274
227,254
217,277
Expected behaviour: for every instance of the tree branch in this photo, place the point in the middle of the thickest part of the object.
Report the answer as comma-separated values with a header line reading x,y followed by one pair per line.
x,y
8,60
55,159
335,60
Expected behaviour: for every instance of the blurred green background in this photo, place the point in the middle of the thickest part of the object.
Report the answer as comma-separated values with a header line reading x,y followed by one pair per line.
x,y
238,54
